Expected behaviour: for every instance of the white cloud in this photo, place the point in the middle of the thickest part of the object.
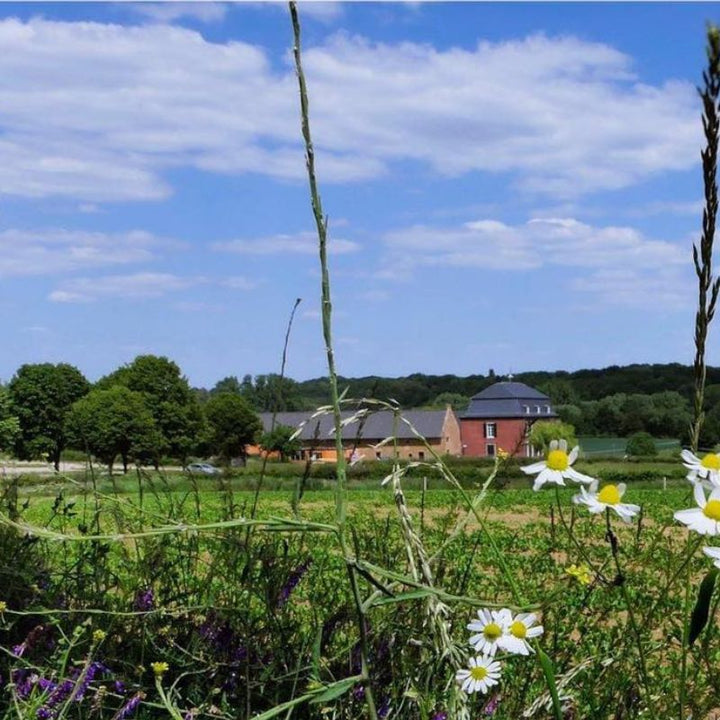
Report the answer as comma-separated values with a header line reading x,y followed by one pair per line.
x,y
169,10
494,245
305,243
50,252
618,264
98,112
138,286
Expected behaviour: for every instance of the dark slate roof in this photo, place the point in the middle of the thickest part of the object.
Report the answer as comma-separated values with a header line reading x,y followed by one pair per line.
x,y
509,400
376,426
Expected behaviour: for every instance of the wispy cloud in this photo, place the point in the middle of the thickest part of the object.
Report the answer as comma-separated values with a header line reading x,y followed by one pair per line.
x,y
167,11
304,243
138,286
617,263
98,112
51,252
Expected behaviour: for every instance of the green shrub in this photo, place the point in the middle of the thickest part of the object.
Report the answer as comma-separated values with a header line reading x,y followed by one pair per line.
x,y
641,443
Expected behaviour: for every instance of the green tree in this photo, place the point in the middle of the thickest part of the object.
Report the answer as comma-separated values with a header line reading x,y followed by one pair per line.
x,y
544,431
108,423
280,440
456,400
228,384
273,393
641,444
41,396
233,425
9,423
173,404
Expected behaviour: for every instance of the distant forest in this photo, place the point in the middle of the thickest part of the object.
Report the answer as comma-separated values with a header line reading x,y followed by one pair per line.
x,y
616,400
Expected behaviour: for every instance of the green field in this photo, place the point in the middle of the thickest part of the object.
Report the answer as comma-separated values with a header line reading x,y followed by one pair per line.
x,y
593,446
249,618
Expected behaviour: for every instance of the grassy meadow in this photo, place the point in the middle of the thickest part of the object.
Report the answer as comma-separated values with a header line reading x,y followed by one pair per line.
x,y
252,618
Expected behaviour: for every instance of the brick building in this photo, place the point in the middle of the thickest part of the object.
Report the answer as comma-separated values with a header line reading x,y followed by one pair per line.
x,y
440,428
500,417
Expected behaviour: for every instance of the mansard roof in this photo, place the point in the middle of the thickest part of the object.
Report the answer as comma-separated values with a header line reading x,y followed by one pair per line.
x,y
509,399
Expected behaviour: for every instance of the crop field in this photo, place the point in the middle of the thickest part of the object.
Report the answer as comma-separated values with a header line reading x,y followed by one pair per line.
x,y
256,620
594,446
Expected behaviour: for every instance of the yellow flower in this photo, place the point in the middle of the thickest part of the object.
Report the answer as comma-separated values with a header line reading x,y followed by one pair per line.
x,y
159,668
580,572
3,606
99,635
503,454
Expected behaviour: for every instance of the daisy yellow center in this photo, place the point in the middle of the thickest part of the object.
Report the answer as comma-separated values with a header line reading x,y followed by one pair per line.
x,y
712,510
557,460
609,495
492,631
711,461
518,629
478,672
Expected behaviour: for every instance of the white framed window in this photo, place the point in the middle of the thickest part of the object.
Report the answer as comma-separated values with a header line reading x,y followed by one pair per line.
x,y
490,430
527,409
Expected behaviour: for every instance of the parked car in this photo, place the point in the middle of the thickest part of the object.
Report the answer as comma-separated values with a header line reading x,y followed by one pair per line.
x,y
203,469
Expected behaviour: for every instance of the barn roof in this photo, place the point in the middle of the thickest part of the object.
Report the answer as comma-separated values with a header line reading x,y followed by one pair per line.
x,y
509,400
375,427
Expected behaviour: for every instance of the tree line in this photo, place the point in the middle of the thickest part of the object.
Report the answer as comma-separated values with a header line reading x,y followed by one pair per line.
x,y
146,410
141,413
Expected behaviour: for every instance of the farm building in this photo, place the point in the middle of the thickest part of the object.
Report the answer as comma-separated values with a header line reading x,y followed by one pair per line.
x,y
440,428
500,417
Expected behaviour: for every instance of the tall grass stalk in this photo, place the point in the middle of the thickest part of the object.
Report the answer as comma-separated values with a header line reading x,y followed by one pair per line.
x,y
321,223
708,287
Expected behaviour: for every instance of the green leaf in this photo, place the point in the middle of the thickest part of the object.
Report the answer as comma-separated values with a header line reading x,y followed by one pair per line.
x,y
335,690
411,595
699,616
549,672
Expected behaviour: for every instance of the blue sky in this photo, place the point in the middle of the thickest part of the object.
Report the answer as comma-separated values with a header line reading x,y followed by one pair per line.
x,y
514,186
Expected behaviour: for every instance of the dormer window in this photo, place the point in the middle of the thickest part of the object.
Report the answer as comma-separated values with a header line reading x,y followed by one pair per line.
x,y
537,409
547,409
527,409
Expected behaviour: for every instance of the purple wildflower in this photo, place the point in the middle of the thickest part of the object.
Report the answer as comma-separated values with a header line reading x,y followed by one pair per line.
x,y
44,713
491,706
144,600
23,681
19,650
119,686
442,715
359,692
92,670
384,710
129,707
291,583
60,693
46,685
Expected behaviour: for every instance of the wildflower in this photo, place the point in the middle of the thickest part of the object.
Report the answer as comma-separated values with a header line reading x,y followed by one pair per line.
x,y
503,454
489,627
707,468
556,468
144,600
517,632
3,606
291,583
580,572
44,713
130,706
99,635
159,668
704,519
609,497
483,673
714,553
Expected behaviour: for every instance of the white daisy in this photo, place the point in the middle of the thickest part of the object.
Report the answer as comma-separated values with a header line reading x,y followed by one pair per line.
x,y
707,468
704,519
483,673
556,467
517,632
490,627
714,553
608,497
